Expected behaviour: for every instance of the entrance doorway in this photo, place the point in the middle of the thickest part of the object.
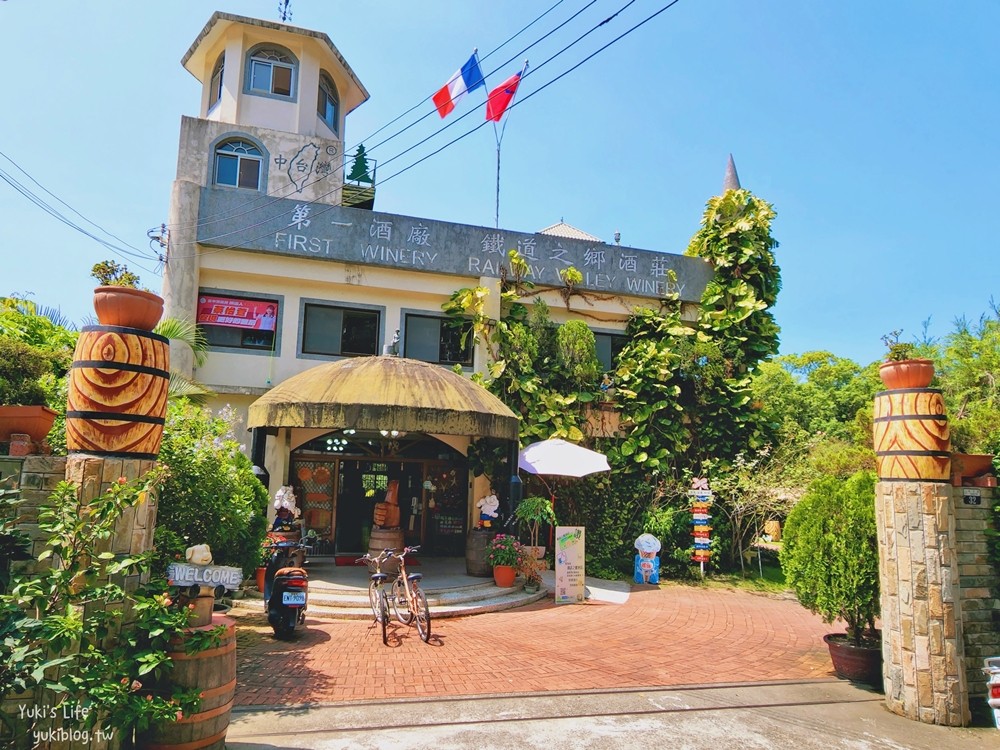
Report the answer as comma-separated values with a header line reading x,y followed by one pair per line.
x,y
340,477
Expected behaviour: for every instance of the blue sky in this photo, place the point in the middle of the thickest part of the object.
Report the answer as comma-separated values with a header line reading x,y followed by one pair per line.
x,y
871,127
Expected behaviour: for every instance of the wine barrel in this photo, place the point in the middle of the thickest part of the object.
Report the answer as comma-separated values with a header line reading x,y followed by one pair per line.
x,y
117,401
477,544
911,435
213,673
386,539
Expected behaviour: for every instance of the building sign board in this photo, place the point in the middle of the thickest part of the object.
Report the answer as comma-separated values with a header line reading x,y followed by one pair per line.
x,y
358,236
570,588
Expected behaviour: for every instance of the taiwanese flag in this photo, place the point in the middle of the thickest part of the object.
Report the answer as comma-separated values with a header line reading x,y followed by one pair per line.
x,y
500,98
467,78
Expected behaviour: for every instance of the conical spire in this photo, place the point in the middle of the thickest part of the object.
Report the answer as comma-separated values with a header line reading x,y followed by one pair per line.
x,y
731,180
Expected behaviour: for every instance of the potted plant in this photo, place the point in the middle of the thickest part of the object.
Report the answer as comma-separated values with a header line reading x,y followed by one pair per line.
x,y
530,568
265,558
119,301
504,555
900,368
829,556
23,407
532,512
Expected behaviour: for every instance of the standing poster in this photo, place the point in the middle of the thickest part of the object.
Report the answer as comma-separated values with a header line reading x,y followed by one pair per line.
x,y
570,588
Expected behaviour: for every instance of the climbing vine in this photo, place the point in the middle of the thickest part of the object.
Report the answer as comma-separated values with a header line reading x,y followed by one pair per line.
x,y
682,381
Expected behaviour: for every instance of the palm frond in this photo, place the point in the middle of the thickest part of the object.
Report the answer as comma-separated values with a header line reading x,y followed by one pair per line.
x,y
181,387
188,332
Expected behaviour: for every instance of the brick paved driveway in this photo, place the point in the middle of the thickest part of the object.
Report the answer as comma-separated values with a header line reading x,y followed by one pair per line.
x,y
674,635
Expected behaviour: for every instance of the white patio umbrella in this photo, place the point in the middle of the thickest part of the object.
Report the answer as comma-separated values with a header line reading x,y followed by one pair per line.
x,y
557,457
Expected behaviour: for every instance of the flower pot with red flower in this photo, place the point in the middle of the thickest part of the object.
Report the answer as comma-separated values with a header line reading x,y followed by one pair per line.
x,y
504,554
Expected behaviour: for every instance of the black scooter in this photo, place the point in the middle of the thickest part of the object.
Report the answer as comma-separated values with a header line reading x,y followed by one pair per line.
x,y
286,587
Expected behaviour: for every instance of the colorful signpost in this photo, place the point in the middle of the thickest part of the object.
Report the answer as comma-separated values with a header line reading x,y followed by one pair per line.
x,y
701,502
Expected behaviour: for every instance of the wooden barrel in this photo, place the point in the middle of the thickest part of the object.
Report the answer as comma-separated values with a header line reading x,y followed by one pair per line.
x,y
477,544
911,435
213,673
117,401
386,539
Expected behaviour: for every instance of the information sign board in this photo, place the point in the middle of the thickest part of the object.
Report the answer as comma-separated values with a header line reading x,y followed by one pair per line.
x,y
570,587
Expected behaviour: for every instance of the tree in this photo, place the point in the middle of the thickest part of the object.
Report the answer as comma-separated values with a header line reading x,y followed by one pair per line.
x,y
969,373
211,495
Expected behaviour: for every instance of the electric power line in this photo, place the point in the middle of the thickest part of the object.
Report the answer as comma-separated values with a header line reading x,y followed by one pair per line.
x,y
440,130
328,207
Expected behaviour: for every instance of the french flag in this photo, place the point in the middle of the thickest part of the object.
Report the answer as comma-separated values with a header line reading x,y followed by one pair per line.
x,y
468,78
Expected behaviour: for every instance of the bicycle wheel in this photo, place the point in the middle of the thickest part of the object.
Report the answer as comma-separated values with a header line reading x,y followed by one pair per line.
x,y
383,615
423,614
400,604
373,598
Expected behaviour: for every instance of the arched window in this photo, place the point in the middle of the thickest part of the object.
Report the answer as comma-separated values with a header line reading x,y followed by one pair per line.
x,y
237,164
215,87
328,106
271,72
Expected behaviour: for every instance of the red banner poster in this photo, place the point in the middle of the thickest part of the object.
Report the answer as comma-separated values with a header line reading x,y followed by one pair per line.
x,y
237,313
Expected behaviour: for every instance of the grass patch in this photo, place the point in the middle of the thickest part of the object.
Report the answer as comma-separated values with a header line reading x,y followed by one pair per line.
x,y
772,582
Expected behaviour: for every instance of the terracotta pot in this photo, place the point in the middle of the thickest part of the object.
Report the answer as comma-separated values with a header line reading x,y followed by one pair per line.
x,y
261,571
908,373
33,421
504,575
855,663
127,307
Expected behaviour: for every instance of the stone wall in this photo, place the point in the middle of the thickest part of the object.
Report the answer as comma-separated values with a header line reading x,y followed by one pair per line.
x,y
980,584
39,476
922,646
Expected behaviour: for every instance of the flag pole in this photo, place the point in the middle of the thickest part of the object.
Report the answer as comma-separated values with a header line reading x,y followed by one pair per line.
x,y
499,138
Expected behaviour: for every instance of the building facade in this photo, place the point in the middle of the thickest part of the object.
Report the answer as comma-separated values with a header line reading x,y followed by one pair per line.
x,y
271,255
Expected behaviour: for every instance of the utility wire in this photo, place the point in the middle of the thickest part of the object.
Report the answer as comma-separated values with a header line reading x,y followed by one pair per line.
x,y
54,213
288,189
442,129
326,207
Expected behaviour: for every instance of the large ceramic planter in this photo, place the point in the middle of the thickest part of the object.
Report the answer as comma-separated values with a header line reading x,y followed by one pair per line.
x,y
127,307
33,421
855,663
907,373
504,575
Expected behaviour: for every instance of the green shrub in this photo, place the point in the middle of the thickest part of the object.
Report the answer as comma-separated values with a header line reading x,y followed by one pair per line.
x,y
211,496
830,552
21,369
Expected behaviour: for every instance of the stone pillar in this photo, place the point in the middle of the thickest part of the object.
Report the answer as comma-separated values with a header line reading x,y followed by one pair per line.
x,y
922,648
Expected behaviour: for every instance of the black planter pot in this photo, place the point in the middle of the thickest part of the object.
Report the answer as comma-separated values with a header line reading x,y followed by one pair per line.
x,y
855,663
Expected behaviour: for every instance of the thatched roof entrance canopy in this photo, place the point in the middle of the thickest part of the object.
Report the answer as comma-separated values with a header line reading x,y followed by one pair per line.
x,y
382,393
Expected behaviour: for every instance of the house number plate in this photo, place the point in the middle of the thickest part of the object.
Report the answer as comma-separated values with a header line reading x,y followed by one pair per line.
x,y
972,497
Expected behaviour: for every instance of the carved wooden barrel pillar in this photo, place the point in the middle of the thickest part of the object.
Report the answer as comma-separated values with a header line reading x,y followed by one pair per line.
x,y
117,401
911,435
922,631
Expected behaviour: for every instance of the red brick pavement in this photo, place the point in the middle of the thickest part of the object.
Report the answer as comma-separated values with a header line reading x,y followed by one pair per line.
x,y
674,635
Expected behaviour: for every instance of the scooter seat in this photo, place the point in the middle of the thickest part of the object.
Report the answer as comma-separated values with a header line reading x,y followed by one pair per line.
x,y
291,572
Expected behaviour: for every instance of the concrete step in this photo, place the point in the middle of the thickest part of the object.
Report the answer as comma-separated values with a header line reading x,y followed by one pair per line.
x,y
349,604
